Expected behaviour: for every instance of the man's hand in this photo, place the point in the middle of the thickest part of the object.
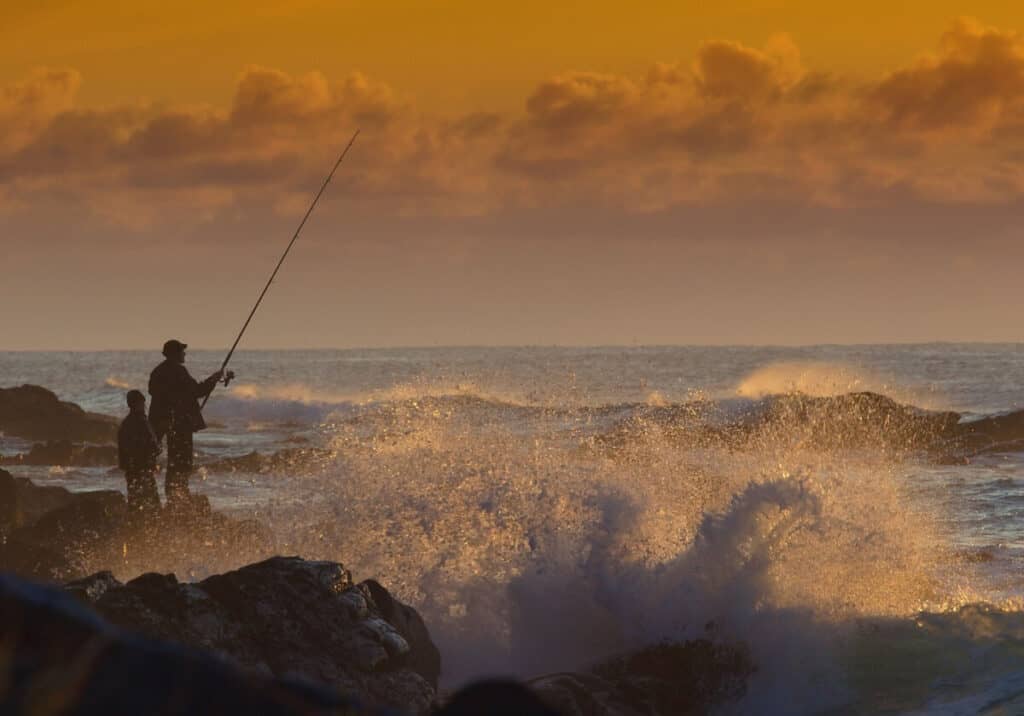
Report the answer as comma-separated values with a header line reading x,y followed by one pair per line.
x,y
218,376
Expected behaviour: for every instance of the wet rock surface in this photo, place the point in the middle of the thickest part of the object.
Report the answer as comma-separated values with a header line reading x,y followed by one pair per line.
x,y
22,502
289,460
861,420
663,680
286,616
35,413
60,657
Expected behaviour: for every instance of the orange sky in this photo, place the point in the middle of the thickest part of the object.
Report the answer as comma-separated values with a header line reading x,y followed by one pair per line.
x,y
755,172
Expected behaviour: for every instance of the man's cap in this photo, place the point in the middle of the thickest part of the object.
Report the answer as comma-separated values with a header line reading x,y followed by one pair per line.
x,y
135,396
173,347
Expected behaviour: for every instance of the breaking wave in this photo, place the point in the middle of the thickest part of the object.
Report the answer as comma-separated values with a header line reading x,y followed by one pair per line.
x,y
825,379
531,547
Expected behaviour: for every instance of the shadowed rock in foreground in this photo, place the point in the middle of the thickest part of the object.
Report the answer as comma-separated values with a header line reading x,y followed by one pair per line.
x,y
662,680
35,413
286,617
58,657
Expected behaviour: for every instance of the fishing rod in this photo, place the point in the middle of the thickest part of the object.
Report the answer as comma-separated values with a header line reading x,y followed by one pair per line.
x,y
277,268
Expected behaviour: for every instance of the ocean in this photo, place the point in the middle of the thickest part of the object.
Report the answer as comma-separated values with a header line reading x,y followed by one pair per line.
x,y
548,507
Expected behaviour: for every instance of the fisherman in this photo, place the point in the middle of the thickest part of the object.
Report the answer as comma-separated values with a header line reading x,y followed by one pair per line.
x,y
175,413
137,450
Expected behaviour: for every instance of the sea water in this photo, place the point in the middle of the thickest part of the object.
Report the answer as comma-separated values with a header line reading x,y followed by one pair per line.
x,y
542,513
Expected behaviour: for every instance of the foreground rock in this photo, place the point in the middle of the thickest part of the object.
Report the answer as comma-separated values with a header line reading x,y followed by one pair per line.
x,y
35,413
661,680
61,658
286,616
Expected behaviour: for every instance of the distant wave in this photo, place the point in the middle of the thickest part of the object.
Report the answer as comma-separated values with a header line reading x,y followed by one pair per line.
x,y
115,382
827,379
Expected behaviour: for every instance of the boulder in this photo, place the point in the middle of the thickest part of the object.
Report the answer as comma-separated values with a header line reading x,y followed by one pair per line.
x,y
661,680
287,617
495,697
22,502
290,460
88,532
35,413
993,433
60,657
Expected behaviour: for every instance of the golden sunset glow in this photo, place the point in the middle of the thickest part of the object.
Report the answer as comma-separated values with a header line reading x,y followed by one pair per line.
x,y
523,157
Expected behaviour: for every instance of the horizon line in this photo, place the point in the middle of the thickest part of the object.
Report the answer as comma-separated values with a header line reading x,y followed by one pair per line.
x,y
563,346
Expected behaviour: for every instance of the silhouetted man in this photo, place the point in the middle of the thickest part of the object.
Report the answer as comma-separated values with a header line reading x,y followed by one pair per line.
x,y
174,412
137,449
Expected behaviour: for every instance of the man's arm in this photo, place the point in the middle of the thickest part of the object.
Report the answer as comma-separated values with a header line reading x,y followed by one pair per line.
x,y
197,389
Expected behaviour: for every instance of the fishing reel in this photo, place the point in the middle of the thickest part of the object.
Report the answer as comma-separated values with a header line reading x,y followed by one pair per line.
x,y
228,377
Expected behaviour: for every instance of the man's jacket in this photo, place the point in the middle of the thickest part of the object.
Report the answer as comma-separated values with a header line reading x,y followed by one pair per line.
x,y
137,446
175,398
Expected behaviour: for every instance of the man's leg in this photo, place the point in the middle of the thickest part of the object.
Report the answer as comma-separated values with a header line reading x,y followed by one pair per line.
x,y
132,480
149,498
179,464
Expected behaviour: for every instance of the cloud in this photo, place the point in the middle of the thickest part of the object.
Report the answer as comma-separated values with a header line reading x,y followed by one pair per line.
x,y
731,125
975,79
26,107
730,71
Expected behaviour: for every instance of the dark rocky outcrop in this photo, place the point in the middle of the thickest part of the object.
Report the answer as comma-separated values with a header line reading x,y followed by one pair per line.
x,y
495,697
286,616
51,534
855,420
59,657
65,453
35,413
90,529
22,503
663,680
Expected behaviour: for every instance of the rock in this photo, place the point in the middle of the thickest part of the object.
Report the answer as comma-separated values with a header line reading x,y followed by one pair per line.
x,y
288,616
34,561
56,535
854,420
66,454
59,657
89,532
290,460
423,656
35,413
22,503
994,433
661,680
495,698
91,588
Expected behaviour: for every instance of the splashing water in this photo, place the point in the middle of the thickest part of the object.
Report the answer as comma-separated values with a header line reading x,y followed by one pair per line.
x,y
545,509
531,547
